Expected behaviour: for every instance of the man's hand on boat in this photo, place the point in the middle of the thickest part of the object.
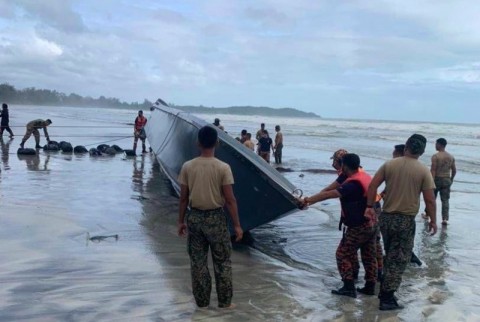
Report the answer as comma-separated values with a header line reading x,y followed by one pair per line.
x,y
302,203
182,229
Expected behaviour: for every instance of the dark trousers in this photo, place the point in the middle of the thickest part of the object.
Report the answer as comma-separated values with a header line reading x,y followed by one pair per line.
x,y
208,230
398,233
5,127
443,187
363,238
278,153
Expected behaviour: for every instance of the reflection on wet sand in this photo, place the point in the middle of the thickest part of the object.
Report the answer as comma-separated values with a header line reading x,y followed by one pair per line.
x,y
33,162
5,146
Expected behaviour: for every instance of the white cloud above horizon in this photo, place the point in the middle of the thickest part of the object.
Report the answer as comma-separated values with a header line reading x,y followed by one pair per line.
x,y
388,59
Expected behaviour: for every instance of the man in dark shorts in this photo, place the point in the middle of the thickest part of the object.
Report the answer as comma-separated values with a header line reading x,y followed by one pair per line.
x,y
265,144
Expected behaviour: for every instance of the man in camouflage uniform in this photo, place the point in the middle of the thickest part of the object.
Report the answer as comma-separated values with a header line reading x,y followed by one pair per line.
x,y
206,185
443,171
405,179
32,128
360,234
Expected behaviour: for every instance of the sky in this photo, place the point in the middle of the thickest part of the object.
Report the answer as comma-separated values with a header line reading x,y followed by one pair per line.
x,y
384,59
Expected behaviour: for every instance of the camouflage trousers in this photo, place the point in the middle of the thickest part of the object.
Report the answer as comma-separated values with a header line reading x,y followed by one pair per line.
x,y
398,233
209,230
379,256
29,132
443,187
355,238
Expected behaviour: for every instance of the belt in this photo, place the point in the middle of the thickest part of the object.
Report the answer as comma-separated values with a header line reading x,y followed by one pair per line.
x,y
207,210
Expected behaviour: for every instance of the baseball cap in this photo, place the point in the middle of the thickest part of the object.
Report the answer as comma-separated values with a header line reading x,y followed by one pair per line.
x,y
338,155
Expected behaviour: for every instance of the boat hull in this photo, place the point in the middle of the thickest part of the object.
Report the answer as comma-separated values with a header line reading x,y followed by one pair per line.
x,y
262,193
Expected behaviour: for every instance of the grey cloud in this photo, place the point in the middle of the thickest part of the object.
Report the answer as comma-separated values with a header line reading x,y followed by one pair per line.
x,y
268,17
6,9
55,13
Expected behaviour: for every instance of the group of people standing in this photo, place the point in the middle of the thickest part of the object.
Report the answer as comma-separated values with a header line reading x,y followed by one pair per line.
x,y
405,178
206,186
265,145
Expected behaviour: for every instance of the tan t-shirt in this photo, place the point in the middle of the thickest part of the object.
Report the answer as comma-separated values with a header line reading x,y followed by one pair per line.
x,y
205,178
444,164
405,179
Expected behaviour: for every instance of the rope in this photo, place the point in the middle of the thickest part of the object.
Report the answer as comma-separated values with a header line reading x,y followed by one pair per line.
x,y
126,137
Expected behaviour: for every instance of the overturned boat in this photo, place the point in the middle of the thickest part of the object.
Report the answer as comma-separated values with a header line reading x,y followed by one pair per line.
x,y
262,193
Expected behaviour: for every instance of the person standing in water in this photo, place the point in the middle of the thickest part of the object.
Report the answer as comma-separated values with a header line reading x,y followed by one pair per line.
x,y
361,232
139,132
405,179
4,124
278,147
206,186
443,171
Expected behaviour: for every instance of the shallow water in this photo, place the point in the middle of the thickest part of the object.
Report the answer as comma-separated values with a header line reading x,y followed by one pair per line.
x,y
51,271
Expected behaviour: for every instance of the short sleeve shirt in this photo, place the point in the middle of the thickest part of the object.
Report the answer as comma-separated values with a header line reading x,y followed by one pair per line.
x,y
405,179
205,178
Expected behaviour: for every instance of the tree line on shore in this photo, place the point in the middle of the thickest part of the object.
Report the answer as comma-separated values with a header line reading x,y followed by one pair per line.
x,y
34,96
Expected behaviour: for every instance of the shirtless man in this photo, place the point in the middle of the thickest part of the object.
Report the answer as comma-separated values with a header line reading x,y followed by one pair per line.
x,y
278,145
248,142
443,171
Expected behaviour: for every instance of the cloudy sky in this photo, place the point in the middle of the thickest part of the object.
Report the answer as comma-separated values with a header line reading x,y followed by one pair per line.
x,y
388,59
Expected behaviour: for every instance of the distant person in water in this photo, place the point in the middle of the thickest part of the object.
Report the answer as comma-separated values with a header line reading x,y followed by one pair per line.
x,y
243,136
278,147
32,128
443,171
139,132
248,142
265,144
260,132
4,124
216,122
206,186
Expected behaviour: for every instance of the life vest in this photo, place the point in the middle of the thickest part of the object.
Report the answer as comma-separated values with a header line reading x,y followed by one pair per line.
x,y
140,122
353,211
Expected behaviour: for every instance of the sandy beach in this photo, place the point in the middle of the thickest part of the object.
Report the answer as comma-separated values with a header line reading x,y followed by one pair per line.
x,y
51,271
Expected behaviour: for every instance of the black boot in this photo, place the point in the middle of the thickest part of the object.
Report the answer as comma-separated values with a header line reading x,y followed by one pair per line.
x,y
388,302
144,148
368,289
348,289
380,275
415,259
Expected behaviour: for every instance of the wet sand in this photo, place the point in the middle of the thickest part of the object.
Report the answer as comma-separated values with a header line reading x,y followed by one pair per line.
x,y
50,271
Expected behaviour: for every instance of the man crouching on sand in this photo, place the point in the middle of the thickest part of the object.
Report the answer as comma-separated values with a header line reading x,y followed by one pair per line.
x,y
206,185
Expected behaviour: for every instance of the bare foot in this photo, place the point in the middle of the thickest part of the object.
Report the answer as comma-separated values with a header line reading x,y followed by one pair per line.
x,y
230,307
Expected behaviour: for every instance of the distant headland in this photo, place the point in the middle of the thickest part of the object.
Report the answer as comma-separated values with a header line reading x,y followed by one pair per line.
x,y
247,110
33,96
